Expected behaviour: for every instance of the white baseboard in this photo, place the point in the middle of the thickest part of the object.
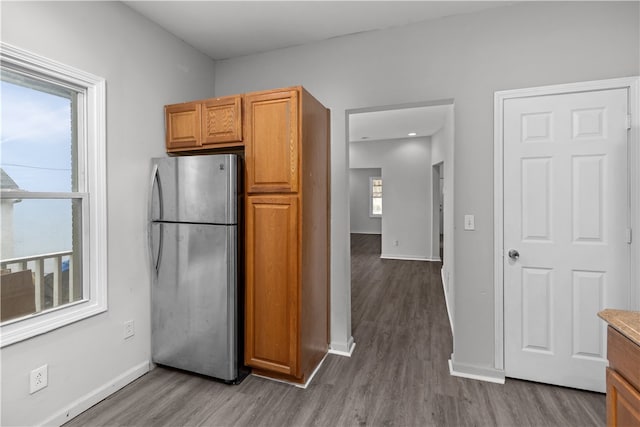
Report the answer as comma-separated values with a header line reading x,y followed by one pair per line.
x,y
476,373
405,257
366,232
342,348
347,353
88,400
446,300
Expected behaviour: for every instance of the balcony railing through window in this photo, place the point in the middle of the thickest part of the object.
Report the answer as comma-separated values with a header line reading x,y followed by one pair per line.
x,y
36,283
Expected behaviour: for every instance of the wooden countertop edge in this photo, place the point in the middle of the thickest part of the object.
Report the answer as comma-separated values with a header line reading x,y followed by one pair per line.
x,y
624,321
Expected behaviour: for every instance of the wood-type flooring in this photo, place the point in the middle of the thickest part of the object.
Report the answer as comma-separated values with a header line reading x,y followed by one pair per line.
x,y
398,374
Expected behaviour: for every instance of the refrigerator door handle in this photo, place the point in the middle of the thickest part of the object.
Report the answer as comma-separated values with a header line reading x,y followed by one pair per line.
x,y
155,186
156,258
155,247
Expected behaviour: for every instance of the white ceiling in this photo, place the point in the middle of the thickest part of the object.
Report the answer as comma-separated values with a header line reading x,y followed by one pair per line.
x,y
227,29
398,123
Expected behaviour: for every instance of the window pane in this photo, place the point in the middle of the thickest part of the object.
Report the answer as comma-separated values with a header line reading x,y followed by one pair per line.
x,y
38,141
52,165
376,196
376,206
40,253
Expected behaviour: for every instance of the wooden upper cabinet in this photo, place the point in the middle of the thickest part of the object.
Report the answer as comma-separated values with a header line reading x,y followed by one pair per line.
x,y
205,124
222,120
182,123
271,141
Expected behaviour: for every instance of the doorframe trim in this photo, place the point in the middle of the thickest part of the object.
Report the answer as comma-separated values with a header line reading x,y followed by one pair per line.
x,y
633,86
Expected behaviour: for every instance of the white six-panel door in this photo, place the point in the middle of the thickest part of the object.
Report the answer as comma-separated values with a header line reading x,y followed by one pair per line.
x,y
566,213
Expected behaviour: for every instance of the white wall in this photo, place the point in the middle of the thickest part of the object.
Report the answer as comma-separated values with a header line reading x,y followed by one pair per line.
x,y
442,150
467,58
359,192
406,193
442,140
145,68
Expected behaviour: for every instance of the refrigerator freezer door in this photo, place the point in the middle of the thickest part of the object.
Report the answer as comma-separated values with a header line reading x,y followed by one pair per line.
x,y
196,189
193,310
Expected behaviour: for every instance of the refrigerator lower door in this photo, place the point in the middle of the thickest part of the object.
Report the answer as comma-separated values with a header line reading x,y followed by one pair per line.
x,y
193,295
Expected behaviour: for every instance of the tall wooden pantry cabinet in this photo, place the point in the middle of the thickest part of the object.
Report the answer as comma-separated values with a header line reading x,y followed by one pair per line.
x,y
284,137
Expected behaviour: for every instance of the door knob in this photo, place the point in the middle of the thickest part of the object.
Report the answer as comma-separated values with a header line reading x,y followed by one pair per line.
x,y
513,254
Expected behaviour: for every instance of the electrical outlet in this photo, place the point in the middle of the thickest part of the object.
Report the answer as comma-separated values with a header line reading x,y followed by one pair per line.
x,y
396,243
38,379
129,329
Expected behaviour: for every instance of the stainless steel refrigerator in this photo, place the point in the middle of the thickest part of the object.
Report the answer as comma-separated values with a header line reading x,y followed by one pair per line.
x,y
193,237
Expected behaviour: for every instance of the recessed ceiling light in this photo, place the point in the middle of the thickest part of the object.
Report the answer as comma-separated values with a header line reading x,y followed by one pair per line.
x,y
412,134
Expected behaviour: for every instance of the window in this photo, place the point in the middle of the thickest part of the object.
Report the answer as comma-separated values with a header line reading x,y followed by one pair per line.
x,y
53,195
375,197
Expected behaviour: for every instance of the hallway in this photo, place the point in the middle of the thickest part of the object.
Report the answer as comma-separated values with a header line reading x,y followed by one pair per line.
x,y
399,311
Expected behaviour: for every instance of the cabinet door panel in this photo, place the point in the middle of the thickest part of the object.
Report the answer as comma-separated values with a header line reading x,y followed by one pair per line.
x,y
271,141
271,284
624,356
182,123
623,401
221,120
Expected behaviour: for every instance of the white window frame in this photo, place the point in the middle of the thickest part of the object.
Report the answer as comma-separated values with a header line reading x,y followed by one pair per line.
x,y
371,214
92,173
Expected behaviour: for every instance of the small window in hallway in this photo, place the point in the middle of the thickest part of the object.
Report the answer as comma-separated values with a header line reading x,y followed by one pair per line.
x,y
375,197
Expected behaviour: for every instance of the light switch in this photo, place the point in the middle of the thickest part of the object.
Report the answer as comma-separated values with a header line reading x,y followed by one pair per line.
x,y
469,222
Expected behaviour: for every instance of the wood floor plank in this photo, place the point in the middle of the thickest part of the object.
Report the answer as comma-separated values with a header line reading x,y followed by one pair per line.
x,y
397,376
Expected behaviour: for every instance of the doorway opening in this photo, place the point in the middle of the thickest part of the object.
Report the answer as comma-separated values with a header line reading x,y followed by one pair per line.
x,y
411,145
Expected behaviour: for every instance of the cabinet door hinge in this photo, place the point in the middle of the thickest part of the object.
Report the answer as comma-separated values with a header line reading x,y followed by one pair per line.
x,y
629,235
628,121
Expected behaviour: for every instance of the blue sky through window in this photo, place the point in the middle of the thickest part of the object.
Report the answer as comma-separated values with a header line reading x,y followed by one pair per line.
x,y
36,152
35,138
